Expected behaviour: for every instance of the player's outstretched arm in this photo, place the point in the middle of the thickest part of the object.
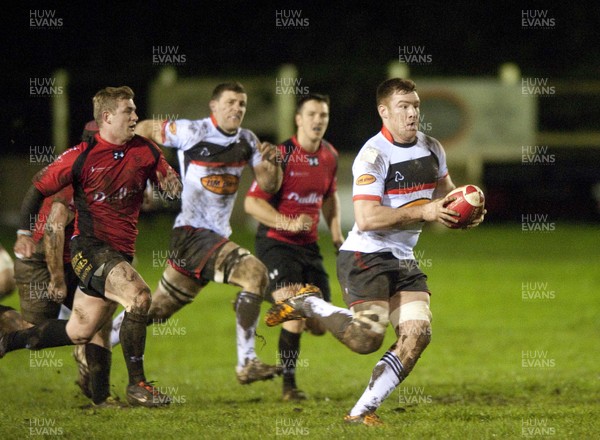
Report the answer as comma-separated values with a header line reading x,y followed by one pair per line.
x,y
332,213
25,246
54,242
151,129
266,214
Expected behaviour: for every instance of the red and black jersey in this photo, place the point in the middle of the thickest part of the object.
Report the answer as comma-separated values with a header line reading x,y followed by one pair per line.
x,y
308,178
109,182
64,196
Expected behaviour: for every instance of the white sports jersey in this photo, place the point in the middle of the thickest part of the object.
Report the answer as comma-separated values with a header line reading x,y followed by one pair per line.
x,y
211,163
396,175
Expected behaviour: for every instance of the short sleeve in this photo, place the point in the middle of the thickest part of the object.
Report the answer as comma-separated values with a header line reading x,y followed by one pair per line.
x,y
368,174
183,133
59,173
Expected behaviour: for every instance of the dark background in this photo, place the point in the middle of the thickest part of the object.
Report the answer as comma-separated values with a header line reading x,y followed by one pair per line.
x,y
344,51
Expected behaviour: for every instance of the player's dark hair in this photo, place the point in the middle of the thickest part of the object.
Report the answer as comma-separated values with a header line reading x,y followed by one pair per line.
x,y
107,98
233,86
311,97
394,85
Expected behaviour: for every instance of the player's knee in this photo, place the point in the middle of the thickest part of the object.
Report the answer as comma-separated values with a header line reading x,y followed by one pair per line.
x,y
365,343
80,334
140,298
367,330
252,275
415,323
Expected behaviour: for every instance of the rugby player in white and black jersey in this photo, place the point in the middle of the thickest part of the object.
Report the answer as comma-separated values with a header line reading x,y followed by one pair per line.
x,y
287,235
400,181
212,154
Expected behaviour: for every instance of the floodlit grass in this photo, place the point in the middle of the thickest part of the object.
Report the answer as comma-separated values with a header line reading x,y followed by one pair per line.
x,y
514,354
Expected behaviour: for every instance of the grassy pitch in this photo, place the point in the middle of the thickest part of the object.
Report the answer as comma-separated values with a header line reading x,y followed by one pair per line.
x,y
514,354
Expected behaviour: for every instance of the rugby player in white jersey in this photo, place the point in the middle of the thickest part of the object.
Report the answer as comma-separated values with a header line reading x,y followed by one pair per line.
x,y
212,154
400,181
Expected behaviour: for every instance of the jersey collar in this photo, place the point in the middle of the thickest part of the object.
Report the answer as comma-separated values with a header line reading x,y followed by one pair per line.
x,y
386,133
224,133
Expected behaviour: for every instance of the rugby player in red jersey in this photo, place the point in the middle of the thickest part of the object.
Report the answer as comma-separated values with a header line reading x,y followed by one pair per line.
x,y
287,235
212,154
109,176
401,180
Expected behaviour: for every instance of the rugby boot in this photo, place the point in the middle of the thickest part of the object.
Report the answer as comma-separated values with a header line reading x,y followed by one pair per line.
x,y
255,370
146,394
368,419
292,307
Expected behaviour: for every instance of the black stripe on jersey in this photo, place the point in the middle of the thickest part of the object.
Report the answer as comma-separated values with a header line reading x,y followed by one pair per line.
x,y
412,173
236,152
85,222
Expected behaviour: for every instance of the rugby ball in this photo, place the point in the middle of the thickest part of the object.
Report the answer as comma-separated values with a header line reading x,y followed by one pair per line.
x,y
469,204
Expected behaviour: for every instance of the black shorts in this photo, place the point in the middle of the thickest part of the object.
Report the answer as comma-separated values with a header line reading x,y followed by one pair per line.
x,y
193,252
88,255
377,276
292,264
32,278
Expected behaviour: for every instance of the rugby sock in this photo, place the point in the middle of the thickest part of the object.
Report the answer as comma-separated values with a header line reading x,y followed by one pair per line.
x,y
116,329
386,376
289,349
133,342
99,360
247,310
52,333
335,319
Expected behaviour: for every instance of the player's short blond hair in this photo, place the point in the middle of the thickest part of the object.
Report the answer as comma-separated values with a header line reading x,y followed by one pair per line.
x,y
107,100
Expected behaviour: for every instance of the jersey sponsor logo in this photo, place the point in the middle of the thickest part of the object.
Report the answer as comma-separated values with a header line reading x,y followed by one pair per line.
x,y
94,169
222,184
307,200
118,155
173,128
365,179
313,161
398,177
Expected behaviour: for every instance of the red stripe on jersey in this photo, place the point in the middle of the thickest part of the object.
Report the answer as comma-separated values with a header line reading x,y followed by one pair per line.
x,y
219,164
163,128
214,120
386,134
412,189
366,197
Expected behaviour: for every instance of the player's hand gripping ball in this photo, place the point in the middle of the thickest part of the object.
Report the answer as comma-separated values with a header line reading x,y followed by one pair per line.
x,y
469,203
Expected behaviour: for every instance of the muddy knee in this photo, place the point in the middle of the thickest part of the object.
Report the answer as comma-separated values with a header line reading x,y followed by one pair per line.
x,y
366,332
247,271
140,299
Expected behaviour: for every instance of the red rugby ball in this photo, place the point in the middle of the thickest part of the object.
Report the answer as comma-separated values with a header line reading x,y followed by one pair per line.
x,y
469,204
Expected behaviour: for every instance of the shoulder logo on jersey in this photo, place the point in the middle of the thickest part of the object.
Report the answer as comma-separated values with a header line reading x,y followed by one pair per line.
x,y
173,127
365,179
118,155
222,184
313,161
369,155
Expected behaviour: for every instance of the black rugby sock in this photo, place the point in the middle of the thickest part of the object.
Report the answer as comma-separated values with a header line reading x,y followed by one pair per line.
x,y
99,360
52,333
289,349
133,342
